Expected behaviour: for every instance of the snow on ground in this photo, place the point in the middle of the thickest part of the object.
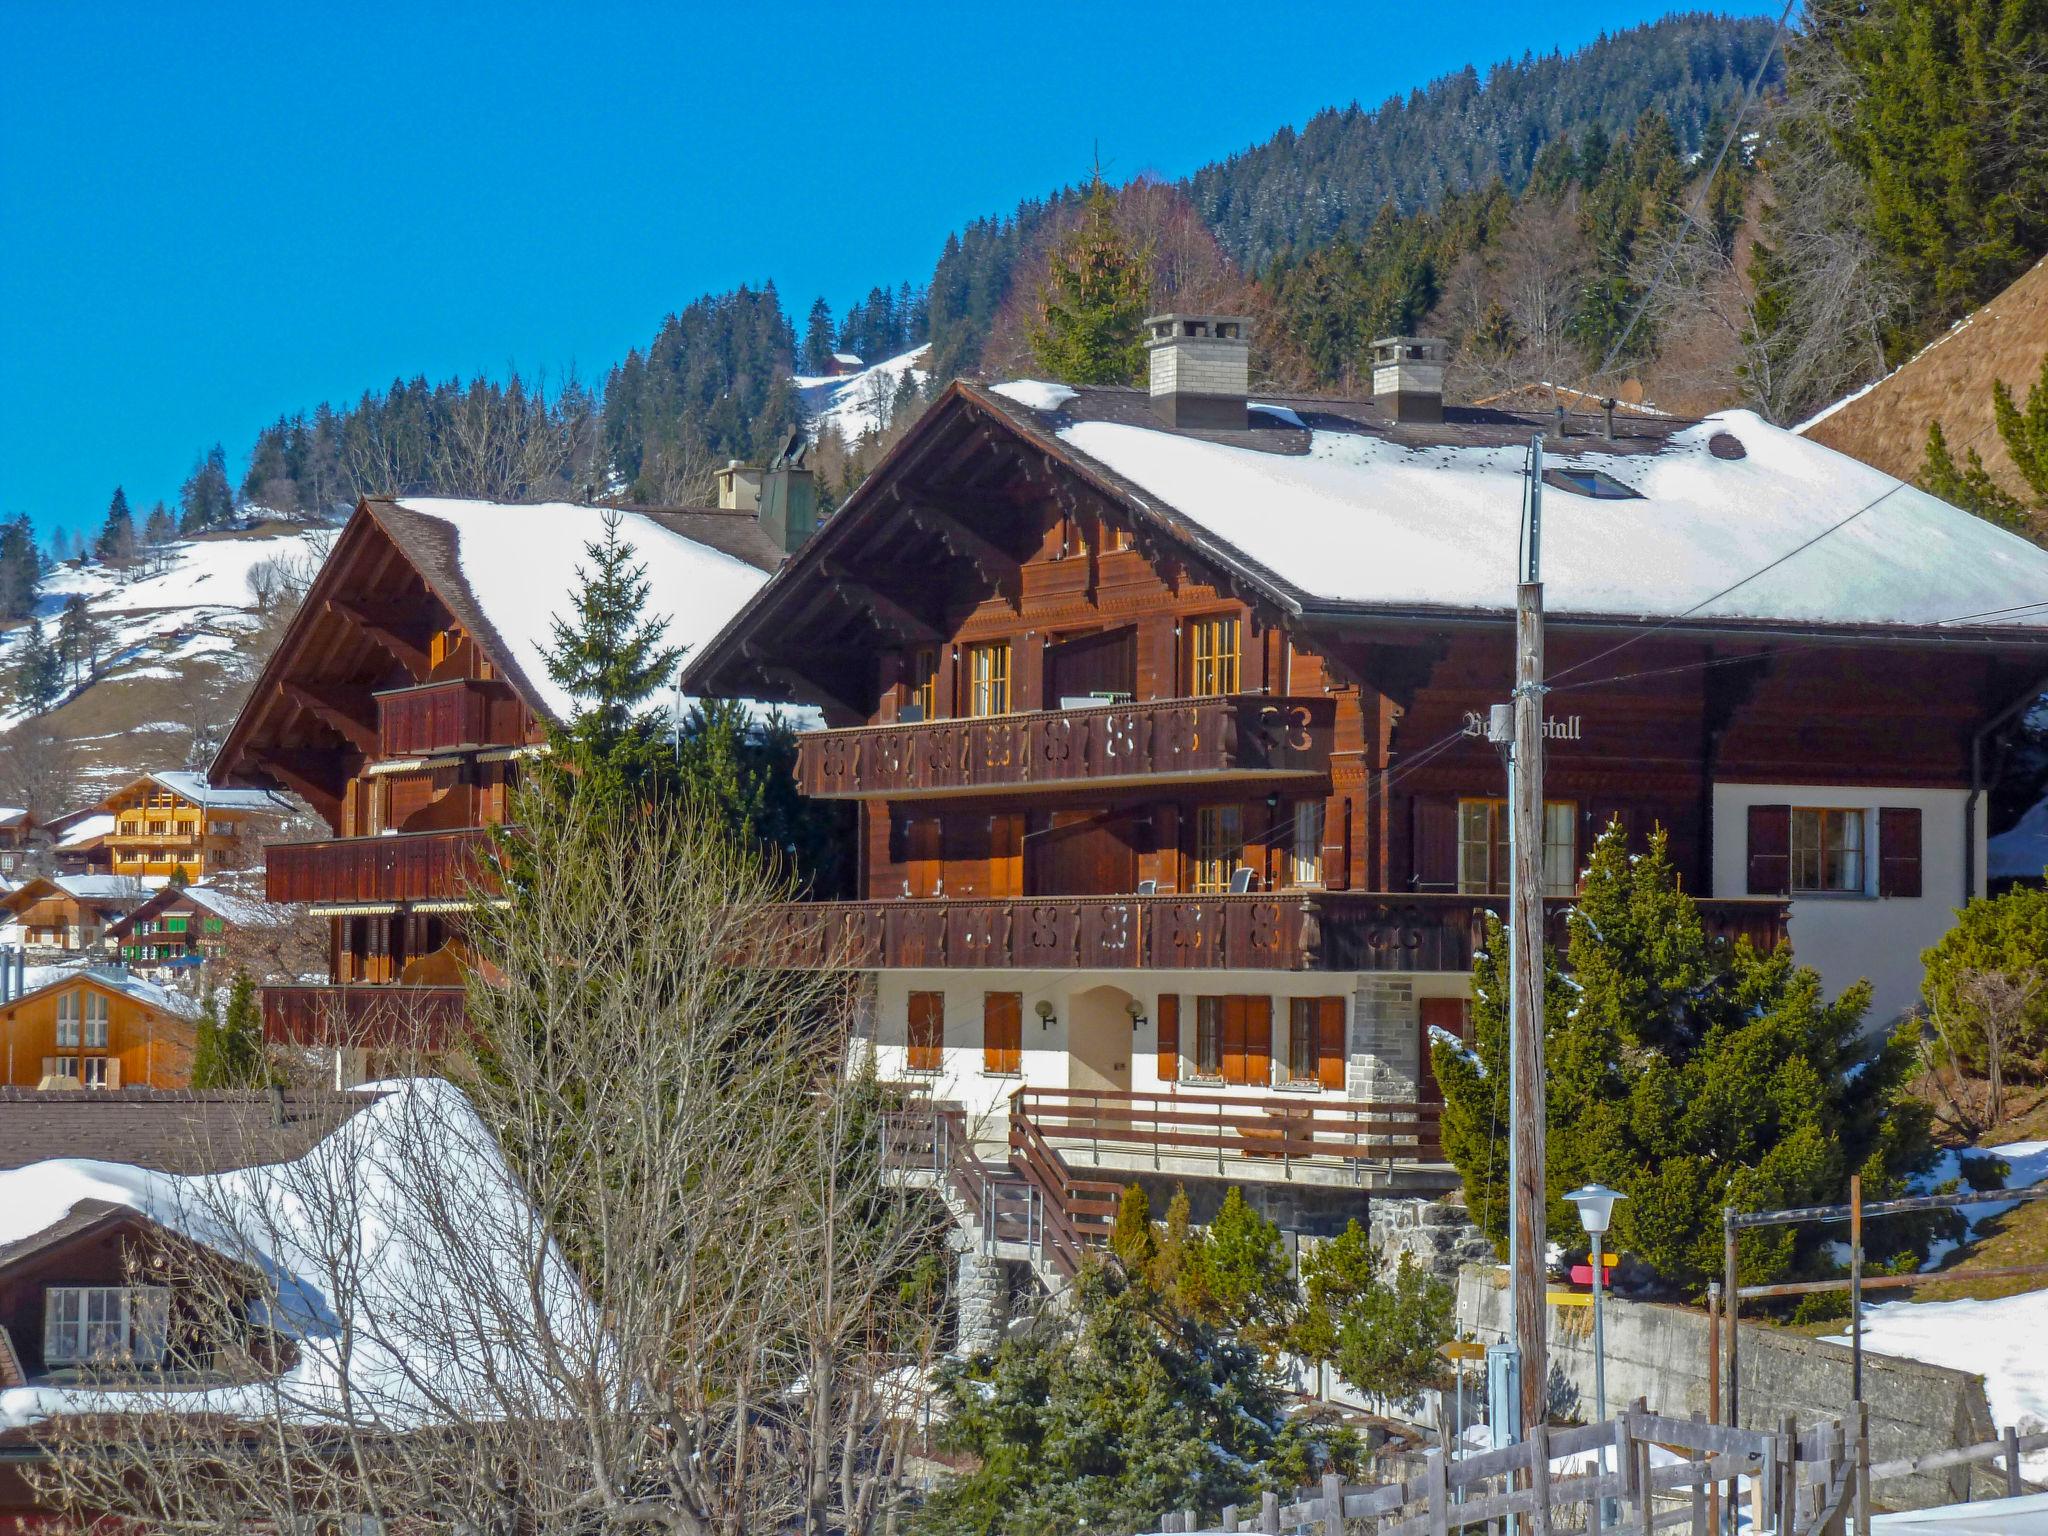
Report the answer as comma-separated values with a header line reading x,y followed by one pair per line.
x,y
2021,851
2001,1339
1359,519
399,1166
857,403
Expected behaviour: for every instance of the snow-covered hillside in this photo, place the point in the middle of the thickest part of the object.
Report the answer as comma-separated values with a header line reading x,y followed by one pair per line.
x,y
858,403
192,611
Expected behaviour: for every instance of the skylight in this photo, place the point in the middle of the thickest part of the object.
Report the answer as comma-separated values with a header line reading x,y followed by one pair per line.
x,y
1589,482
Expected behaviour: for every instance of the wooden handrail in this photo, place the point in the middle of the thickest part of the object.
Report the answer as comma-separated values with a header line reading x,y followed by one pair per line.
x,y
1278,1125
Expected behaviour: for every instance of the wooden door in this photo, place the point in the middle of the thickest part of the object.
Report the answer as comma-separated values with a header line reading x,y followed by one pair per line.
x,y
1450,1014
1258,1041
916,846
1100,663
1330,1056
1002,1032
927,1031
1082,853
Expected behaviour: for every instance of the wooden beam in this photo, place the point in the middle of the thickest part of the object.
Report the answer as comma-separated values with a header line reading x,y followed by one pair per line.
x,y
885,611
413,657
931,515
310,775
343,710
802,685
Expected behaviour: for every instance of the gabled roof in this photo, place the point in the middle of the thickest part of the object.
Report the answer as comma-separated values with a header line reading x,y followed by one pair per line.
x,y
240,911
84,1217
1335,513
169,1130
85,828
106,893
114,980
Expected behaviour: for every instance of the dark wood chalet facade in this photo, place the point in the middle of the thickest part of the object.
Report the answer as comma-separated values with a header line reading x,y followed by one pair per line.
x,y
1163,737
401,704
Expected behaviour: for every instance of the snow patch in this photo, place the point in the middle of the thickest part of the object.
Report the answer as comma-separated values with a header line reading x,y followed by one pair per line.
x,y
1036,394
857,404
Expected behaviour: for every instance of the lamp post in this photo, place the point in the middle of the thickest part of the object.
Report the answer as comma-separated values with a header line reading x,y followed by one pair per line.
x,y
1596,1208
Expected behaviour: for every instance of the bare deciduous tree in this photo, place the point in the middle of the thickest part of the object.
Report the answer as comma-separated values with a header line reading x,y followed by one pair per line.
x,y
678,1132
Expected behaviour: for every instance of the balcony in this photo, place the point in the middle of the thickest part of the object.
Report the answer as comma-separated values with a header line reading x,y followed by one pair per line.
x,y
363,1014
1280,931
1247,736
457,715
407,866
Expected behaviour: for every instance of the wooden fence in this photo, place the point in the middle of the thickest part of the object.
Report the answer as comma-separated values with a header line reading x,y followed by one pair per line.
x,y
1798,1484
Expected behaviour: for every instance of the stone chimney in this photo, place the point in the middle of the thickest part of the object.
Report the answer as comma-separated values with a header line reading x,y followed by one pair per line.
x,y
739,487
1201,369
1408,377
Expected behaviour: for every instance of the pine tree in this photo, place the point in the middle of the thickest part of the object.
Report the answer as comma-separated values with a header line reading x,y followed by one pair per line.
x,y
116,543
1968,485
21,569
38,673
206,500
2025,431
80,638
612,659
229,1051
1094,300
818,338
742,772
159,533
1689,1077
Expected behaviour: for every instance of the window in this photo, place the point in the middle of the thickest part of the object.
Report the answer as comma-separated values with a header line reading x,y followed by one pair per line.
x,y
67,1019
1002,1032
1234,1039
1219,840
96,1071
1305,866
1208,1037
1590,482
95,1021
927,1031
924,684
1167,1020
1483,847
175,924
1827,849
1315,1042
1215,657
88,1324
988,675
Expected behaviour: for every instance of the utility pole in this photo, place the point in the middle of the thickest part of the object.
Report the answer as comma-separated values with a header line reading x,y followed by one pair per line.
x,y
1527,1110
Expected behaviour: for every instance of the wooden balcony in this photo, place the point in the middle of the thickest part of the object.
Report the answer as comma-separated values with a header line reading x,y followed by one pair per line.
x,y
1280,931
457,715
1279,1127
406,866
1247,736
363,1014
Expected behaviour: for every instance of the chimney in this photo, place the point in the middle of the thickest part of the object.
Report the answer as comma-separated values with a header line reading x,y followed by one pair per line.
x,y
1201,367
739,487
1408,377
786,495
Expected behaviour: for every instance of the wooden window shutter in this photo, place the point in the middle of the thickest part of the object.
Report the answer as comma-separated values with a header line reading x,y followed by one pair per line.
x,y
1169,1037
1258,1041
1330,1042
1770,850
1898,850
1233,1039
1436,844
1002,1032
1453,1015
927,1031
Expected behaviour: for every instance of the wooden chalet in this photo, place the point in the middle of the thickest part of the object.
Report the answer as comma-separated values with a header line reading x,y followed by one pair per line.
x,y
403,700
186,926
175,823
94,1027
68,914
1164,711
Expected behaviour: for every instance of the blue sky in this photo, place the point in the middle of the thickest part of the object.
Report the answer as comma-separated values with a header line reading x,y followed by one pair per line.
x,y
213,214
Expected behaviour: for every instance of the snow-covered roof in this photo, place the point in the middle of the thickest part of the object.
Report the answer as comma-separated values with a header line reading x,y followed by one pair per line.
x,y
1354,512
519,562
379,1302
101,887
242,911
852,358
40,978
11,814
88,829
193,786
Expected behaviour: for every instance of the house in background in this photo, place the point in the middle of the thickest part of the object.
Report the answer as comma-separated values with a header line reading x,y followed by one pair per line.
x,y
78,841
843,364
67,914
184,926
175,823
95,1027
403,702
17,833
1164,713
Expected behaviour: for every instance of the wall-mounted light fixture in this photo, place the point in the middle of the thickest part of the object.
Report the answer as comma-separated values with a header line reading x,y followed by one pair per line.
x,y
1136,1010
1044,1011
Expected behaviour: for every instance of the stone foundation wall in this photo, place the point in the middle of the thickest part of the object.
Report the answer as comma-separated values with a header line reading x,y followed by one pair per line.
x,y
1439,1236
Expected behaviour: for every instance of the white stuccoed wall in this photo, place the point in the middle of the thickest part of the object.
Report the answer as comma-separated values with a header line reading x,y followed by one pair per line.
x,y
1849,937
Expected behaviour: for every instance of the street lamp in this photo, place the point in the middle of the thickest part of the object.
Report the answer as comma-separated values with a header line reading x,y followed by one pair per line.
x,y
1596,1207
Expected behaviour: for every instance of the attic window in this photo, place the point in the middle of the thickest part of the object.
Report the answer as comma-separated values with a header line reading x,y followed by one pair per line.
x,y
1590,482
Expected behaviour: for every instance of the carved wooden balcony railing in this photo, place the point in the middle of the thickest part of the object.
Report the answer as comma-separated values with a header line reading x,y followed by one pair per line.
x,y
1280,931
447,717
406,866
363,1014
1245,736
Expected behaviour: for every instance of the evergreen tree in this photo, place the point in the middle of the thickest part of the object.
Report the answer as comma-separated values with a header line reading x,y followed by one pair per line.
x,y
38,673
80,638
1690,1078
116,543
818,338
1093,303
159,533
2025,431
229,1051
21,569
206,500
612,659
742,772
1968,485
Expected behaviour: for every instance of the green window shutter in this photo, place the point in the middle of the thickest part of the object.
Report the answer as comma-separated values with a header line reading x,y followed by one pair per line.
x,y
174,925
